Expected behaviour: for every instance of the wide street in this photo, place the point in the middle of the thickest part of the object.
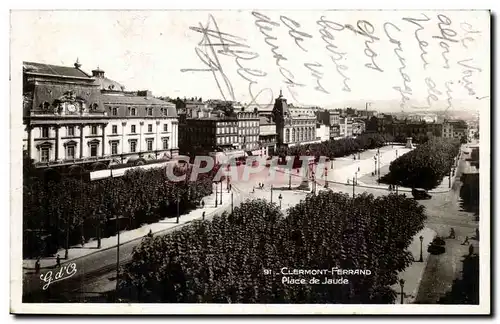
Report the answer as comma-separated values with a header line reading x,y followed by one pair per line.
x,y
97,272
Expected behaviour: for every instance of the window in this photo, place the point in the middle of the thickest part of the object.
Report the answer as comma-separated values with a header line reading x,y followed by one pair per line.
x,y
71,131
45,131
133,145
150,111
93,149
165,127
93,130
70,152
165,143
150,128
114,148
150,144
44,154
114,111
132,112
114,129
132,128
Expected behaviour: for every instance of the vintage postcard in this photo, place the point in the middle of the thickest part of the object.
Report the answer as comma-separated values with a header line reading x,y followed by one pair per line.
x,y
250,162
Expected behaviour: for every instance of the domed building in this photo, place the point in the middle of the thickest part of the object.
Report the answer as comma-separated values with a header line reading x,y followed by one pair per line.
x,y
74,120
105,83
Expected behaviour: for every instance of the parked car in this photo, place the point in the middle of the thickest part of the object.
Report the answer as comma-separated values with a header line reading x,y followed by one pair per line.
x,y
419,193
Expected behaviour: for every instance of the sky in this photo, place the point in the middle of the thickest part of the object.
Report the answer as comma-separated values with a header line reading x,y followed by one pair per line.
x,y
413,60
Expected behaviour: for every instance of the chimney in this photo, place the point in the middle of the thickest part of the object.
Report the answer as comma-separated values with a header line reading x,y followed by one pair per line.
x,y
98,73
144,93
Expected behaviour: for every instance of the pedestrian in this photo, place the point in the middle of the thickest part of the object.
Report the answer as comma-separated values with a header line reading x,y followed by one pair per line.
x,y
471,249
37,265
150,234
452,233
466,241
253,189
203,215
82,239
58,260
202,204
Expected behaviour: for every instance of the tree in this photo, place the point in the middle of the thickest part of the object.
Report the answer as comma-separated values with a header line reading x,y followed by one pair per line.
x,y
223,260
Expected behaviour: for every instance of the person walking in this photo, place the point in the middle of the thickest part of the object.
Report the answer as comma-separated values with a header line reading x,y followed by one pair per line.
x,y
471,249
58,260
37,265
202,204
452,233
466,241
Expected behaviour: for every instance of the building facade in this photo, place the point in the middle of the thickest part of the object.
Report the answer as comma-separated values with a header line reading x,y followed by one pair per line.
x,y
294,125
455,129
73,119
248,130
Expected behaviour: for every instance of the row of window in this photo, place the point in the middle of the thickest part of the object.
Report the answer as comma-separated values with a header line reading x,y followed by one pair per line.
x,y
94,147
248,123
248,131
227,139
93,130
226,130
249,138
302,135
133,111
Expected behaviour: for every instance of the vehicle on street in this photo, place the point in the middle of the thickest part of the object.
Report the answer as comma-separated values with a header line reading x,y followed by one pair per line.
x,y
419,193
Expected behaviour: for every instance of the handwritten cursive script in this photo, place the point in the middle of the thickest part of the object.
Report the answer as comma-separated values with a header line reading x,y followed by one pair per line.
x,y
265,25
366,29
65,272
327,27
406,78
215,42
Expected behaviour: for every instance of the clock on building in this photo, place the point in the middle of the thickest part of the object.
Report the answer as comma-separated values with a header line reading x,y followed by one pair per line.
x,y
71,108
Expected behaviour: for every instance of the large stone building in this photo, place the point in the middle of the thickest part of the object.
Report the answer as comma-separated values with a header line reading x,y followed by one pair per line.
x,y
294,125
330,118
73,119
455,129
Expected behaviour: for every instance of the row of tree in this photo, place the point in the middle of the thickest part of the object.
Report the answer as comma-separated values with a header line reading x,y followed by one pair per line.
x,y
60,213
240,257
340,147
425,166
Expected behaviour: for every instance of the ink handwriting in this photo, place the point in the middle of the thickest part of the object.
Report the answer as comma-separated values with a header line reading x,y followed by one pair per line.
x,y
446,36
422,44
326,28
215,42
398,51
265,25
365,28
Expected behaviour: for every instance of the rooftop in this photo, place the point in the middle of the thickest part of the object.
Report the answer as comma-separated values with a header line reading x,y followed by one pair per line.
x,y
55,70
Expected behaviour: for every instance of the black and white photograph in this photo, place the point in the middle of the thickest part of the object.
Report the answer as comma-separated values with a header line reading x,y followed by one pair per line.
x,y
250,161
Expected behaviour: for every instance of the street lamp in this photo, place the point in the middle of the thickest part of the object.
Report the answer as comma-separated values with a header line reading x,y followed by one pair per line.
x,y
402,284
280,197
117,219
290,180
220,202
421,241
326,178
375,162
313,183
215,195
177,207
232,202
271,194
